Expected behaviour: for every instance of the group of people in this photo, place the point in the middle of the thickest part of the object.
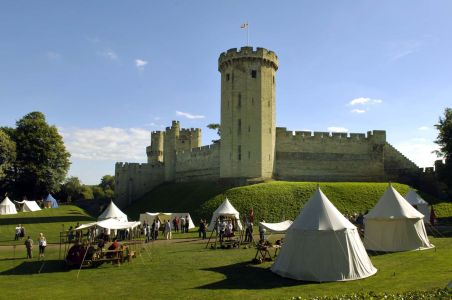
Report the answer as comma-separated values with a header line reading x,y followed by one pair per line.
x,y
181,224
19,232
42,243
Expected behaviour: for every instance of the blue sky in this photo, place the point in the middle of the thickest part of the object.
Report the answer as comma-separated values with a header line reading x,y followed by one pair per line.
x,y
106,73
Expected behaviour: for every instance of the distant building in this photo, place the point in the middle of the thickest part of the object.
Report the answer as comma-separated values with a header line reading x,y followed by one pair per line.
x,y
252,148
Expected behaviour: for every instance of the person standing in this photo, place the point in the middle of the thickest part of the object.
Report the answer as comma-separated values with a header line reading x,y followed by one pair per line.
x,y
187,223
17,232
42,242
262,232
167,230
156,229
182,225
29,247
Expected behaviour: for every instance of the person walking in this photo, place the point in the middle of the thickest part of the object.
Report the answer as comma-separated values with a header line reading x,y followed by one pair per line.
x,y
29,247
182,225
262,231
42,242
17,232
187,223
156,229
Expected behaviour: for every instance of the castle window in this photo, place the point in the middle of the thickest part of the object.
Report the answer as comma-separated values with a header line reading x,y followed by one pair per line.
x,y
270,130
269,103
253,73
273,79
227,77
239,126
249,155
239,103
239,152
269,157
252,100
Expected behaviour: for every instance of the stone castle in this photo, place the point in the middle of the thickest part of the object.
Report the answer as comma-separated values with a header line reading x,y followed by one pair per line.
x,y
252,148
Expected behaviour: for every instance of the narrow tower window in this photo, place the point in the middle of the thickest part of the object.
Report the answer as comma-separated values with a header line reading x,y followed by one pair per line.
x,y
253,73
239,126
227,77
249,155
239,103
239,152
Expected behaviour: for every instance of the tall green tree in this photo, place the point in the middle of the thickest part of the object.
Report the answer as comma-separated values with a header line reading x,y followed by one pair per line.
x,y
444,140
7,153
72,189
42,161
217,127
107,182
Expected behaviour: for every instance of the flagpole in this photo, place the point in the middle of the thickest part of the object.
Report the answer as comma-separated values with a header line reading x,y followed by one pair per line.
x,y
247,33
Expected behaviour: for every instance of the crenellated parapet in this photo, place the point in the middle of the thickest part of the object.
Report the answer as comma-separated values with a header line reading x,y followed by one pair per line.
x,y
247,53
284,135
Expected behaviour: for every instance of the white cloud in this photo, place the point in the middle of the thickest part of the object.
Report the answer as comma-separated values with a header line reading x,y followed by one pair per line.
x,y
358,111
419,151
107,143
140,63
109,54
189,115
400,49
51,55
337,129
423,128
364,101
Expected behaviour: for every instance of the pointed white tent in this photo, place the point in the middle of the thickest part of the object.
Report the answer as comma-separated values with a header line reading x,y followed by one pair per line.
x,y
225,210
322,245
29,205
7,207
394,225
113,212
422,206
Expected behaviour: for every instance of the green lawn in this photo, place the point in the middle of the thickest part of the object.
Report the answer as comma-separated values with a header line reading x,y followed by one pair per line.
x,y
186,270
272,201
48,221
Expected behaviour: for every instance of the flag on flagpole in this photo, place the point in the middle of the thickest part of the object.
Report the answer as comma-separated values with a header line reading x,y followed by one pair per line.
x,y
244,25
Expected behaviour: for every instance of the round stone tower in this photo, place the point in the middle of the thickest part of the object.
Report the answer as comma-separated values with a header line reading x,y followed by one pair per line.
x,y
247,112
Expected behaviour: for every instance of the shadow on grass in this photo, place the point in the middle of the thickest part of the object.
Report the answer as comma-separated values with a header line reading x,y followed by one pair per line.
x,y
35,220
36,267
246,276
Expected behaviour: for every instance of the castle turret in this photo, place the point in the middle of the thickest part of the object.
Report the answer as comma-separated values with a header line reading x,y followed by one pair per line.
x,y
155,150
247,112
171,136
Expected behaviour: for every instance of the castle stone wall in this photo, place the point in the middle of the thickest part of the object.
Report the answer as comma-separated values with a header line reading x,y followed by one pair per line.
x,y
133,180
324,156
198,164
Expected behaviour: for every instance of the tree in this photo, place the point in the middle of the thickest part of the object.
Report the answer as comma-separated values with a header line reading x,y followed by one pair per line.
x,y
72,189
217,127
7,153
444,140
107,182
42,161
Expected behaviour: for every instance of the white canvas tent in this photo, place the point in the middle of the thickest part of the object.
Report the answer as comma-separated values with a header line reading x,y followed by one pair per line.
x,y
28,205
112,224
422,206
149,217
394,225
7,207
280,227
225,210
322,245
113,212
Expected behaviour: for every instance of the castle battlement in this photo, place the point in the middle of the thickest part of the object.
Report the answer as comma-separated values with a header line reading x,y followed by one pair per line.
x,y
375,135
203,149
232,54
134,166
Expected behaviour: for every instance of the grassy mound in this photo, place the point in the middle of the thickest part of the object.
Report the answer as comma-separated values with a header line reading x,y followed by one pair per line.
x,y
48,221
272,201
